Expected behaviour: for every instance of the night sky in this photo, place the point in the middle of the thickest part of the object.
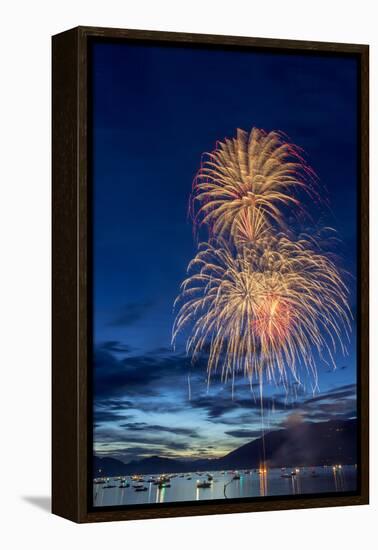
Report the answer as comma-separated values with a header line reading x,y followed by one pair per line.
x,y
155,111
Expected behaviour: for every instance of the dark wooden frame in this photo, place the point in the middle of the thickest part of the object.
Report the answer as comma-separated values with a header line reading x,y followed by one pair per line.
x,y
71,220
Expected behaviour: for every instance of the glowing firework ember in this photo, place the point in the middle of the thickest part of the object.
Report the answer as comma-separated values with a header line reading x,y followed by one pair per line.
x,y
246,182
264,310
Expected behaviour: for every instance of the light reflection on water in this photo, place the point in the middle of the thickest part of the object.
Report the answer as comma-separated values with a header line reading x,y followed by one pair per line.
x,y
254,483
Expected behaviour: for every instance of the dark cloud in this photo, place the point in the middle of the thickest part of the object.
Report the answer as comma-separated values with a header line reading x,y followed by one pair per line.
x,y
179,445
114,404
133,449
119,436
336,407
108,416
335,404
216,408
324,416
144,427
250,434
337,393
238,418
150,404
170,405
338,403
139,375
130,314
115,346
161,443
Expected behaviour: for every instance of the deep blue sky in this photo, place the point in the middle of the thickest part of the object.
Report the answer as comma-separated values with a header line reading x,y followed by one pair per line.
x,y
155,111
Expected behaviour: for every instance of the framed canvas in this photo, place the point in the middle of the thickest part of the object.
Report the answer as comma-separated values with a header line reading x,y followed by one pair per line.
x,y
210,274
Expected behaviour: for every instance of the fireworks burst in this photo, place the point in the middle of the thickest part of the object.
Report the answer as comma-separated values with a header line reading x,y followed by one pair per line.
x,y
256,300
244,185
263,310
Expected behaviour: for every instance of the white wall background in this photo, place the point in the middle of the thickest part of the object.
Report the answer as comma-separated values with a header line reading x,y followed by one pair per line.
x,y
25,271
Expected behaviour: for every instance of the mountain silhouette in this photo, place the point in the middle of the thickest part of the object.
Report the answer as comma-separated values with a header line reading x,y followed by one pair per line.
x,y
303,444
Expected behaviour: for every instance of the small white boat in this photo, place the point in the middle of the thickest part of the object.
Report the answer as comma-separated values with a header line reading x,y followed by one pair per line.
x,y
203,484
99,481
164,485
137,478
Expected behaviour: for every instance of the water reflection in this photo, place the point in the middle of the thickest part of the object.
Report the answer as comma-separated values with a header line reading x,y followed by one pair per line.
x,y
338,476
160,494
263,472
296,484
261,482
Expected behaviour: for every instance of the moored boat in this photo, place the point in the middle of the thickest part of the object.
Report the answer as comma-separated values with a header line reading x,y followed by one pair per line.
x,y
203,484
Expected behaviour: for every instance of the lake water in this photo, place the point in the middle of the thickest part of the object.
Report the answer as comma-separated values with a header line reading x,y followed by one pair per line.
x,y
322,479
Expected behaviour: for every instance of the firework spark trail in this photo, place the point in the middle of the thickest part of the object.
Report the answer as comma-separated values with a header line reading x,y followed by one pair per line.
x,y
244,186
263,310
258,301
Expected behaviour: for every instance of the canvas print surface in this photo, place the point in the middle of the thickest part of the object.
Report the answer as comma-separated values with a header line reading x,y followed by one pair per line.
x,y
225,276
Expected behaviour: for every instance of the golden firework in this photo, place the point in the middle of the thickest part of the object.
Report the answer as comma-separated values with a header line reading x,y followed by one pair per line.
x,y
266,310
244,186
